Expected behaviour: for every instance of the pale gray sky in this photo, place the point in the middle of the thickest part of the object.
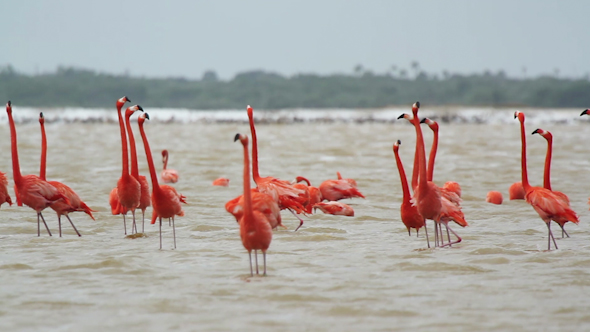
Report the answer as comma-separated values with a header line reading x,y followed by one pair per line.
x,y
187,37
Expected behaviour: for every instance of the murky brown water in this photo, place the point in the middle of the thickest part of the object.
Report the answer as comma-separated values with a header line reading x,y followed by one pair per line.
x,y
335,273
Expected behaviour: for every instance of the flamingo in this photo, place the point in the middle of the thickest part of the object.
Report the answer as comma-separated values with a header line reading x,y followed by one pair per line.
x,y
4,196
547,173
494,197
548,205
315,196
409,212
61,207
32,191
281,191
128,190
165,199
516,191
433,202
168,175
144,199
334,190
222,182
255,231
585,112
260,202
335,208
351,181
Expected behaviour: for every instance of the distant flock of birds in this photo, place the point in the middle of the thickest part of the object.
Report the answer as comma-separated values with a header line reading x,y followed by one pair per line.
x,y
258,210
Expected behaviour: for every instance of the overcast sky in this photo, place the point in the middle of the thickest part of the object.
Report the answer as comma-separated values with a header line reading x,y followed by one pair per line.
x,y
158,38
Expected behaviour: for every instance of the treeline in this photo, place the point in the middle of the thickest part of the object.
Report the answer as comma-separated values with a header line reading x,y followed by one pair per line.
x,y
265,90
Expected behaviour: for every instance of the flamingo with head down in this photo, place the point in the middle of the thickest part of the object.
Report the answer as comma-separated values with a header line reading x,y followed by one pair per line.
x,y
4,196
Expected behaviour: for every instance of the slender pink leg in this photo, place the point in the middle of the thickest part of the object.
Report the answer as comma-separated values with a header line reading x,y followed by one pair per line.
x,y
300,220
67,216
124,224
426,232
256,260
44,223
452,231
551,236
174,232
250,259
264,257
160,233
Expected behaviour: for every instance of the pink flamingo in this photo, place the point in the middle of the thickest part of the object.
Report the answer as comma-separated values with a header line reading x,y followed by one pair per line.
x,y
335,208
494,197
547,174
255,231
4,196
222,182
260,202
548,205
32,191
315,196
60,206
168,175
165,199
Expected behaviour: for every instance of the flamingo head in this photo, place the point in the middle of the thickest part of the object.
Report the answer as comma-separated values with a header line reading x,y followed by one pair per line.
x,y
432,124
242,138
9,107
142,117
41,118
415,107
250,111
164,156
544,133
301,178
519,115
586,111
121,101
396,146
406,116
132,109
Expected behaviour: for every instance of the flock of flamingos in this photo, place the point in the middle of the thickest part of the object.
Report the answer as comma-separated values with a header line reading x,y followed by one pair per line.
x,y
258,210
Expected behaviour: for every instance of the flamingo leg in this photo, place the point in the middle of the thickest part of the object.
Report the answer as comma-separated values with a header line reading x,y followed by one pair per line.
x,y
174,232
563,231
67,216
551,237
124,224
44,223
448,236
142,220
59,224
426,231
250,259
38,225
134,226
435,235
459,239
409,233
417,230
300,220
160,233
256,260
264,258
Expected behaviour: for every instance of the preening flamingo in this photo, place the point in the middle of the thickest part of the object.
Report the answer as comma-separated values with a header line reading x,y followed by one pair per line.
x,y
281,191
61,207
494,197
548,205
260,202
32,191
168,175
409,212
547,174
144,198
315,196
351,181
222,182
4,196
335,208
516,191
255,231
165,199
433,202
334,190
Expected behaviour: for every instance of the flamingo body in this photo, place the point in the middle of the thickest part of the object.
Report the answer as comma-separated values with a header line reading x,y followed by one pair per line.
x,y
494,197
222,182
334,190
4,196
260,202
335,208
516,191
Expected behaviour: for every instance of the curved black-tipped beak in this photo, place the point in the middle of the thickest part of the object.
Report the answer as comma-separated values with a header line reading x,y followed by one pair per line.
x,y
237,137
399,142
515,115
586,111
9,103
401,116
423,120
41,115
417,104
139,108
127,99
537,131
147,116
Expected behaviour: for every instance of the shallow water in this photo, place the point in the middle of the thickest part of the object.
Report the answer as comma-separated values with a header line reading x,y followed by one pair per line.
x,y
335,273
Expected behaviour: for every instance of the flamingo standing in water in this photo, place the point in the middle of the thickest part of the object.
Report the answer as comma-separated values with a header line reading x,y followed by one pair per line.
x,y
144,199
281,191
432,202
547,174
128,191
32,191
585,112
409,212
4,196
165,199
260,202
60,206
255,231
548,205
168,175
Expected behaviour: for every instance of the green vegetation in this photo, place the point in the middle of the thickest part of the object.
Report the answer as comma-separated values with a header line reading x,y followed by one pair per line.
x,y
264,90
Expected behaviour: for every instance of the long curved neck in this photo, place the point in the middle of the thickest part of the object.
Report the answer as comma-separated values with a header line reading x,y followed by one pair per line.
x,y
134,167
165,160
43,153
402,175
547,173
525,178
13,146
247,192
150,161
415,169
123,144
255,173
422,180
432,155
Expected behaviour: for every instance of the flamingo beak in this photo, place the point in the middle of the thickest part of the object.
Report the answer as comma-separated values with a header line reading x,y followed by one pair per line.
x,y
237,137
537,131
586,111
401,116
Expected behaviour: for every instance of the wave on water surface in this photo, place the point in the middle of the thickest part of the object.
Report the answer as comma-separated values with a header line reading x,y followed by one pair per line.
x,y
477,115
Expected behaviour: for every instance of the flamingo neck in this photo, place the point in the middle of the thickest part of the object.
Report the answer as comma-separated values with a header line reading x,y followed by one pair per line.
x,y
432,155
13,146
125,156
248,216
402,175
43,153
148,153
415,169
547,173
255,173
134,166
165,160
525,178
422,180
